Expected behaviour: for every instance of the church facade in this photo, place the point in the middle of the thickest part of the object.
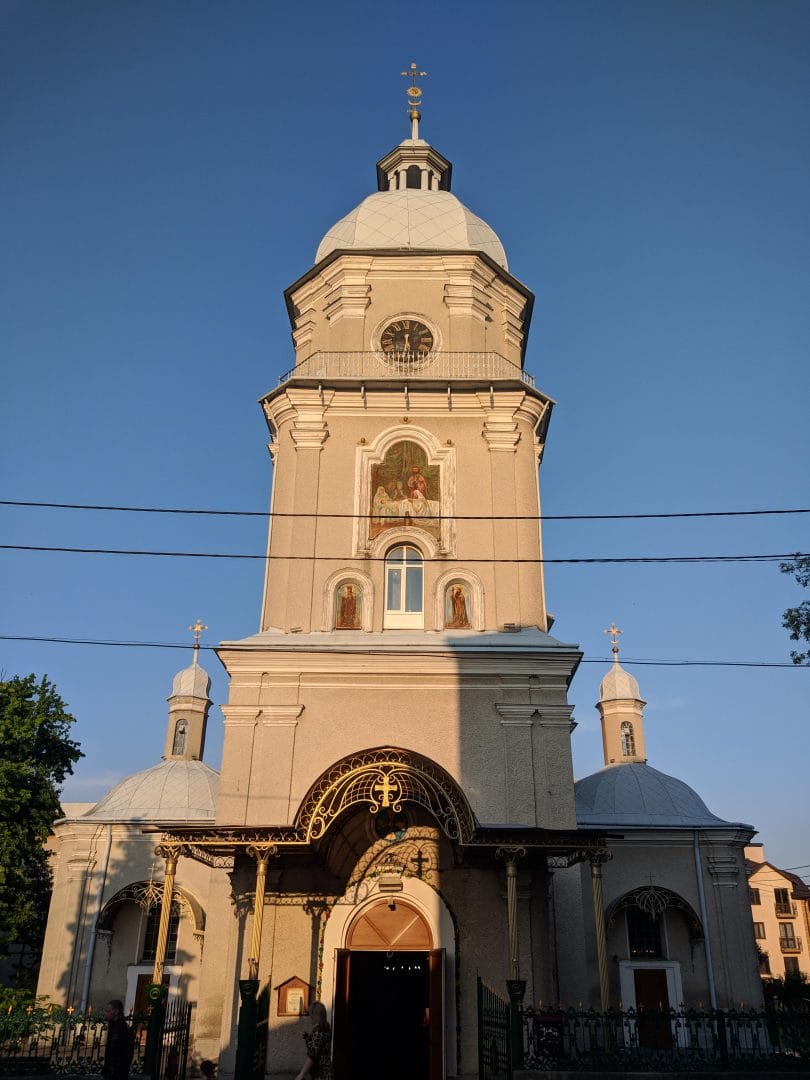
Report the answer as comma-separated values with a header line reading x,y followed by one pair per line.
x,y
396,812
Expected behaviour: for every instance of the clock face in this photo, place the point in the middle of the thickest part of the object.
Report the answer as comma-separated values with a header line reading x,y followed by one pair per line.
x,y
406,339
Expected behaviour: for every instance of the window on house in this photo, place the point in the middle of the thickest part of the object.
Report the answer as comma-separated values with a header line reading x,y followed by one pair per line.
x,y
180,733
764,964
644,934
787,935
753,896
150,936
759,931
628,739
791,965
404,588
782,900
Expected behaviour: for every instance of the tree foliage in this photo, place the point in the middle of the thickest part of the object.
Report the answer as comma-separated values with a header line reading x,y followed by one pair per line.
x,y
36,754
797,619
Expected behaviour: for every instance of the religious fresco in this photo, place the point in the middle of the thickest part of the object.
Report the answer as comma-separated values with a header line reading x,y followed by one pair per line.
x,y
457,606
404,491
348,607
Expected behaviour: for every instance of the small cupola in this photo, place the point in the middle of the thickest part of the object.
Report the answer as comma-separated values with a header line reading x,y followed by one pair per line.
x,y
414,163
621,708
189,703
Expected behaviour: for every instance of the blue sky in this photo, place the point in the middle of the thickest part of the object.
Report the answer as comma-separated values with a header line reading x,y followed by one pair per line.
x,y
170,168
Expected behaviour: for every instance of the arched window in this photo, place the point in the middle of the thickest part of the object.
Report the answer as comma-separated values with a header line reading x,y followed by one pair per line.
x,y
150,936
180,733
413,177
628,739
404,588
643,934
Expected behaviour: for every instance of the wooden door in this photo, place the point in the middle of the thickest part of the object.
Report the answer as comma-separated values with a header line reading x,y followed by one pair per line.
x,y
436,1014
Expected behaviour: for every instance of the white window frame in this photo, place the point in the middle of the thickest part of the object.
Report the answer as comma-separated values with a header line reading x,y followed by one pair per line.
x,y
397,618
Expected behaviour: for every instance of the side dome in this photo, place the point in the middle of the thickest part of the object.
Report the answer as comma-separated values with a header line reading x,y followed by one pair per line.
x,y
412,219
169,791
638,796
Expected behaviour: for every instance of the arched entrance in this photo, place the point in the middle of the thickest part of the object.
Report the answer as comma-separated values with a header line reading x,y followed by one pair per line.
x,y
389,996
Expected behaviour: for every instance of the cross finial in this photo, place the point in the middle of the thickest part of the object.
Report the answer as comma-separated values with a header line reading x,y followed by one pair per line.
x,y
197,629
614,632
414,93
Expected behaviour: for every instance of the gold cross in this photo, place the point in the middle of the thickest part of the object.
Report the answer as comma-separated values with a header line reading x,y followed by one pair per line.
x,y
414,92
386,788
614,632
196,630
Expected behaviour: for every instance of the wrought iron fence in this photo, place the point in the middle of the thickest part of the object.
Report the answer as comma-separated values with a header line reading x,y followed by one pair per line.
x,y
62,1042
666,1040
482,367
494,1051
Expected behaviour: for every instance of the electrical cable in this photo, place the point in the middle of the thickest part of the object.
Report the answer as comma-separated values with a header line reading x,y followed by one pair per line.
x,y
683,559
337,649
361,517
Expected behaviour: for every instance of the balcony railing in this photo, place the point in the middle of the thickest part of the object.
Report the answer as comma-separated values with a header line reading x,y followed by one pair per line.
x,y
790,945
408,367
784,910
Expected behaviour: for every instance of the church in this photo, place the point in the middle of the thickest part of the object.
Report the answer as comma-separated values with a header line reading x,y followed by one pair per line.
x,y
396,813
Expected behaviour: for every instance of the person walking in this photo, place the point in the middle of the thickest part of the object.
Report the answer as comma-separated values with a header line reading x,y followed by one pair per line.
x,y
119,1047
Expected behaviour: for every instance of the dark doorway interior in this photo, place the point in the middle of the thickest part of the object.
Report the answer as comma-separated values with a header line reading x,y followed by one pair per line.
x,y
389,994
652,1003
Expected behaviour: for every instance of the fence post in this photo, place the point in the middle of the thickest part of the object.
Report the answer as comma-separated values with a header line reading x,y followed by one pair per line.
x,y
516,988
156,996
246,1029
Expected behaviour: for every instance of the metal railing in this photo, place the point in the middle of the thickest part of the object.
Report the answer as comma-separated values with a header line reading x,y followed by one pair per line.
x,y
482,367
790,945
786,910
494,1053
665,1040
64,1042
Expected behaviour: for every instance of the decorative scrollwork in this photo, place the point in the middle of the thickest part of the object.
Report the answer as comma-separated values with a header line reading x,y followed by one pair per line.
x,y
386,778
653,900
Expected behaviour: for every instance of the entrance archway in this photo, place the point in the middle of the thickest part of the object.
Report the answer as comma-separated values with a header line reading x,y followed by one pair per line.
x,y
389,996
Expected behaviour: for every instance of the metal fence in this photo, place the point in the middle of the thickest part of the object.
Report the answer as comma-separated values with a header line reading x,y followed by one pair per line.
x,y
480,367
666,1040
61,1042
494,1051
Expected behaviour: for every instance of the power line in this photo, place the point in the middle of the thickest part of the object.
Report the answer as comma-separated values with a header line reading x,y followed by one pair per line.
x,y
683,559
337,649
361,517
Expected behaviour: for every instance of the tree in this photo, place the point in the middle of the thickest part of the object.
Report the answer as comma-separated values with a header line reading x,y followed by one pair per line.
x,y
36,755
797,619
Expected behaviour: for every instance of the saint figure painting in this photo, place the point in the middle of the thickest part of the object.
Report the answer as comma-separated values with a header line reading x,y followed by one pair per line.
x,y
404,491
457,607
348,607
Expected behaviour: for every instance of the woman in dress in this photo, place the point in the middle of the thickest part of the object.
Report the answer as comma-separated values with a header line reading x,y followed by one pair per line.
x,y
318,1063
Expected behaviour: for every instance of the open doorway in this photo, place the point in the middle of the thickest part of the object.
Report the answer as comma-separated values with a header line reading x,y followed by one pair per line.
x,y
389,1015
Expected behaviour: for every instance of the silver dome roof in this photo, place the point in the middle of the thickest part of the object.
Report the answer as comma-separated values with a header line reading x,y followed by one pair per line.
x,y
169,791
638,796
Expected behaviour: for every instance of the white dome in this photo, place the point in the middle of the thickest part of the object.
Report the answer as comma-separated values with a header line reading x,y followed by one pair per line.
x,y
192,681
169,791
416,219
618,685
638,796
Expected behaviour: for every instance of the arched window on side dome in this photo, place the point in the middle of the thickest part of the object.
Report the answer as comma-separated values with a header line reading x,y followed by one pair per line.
x,y
413,177
180,737
404,589
628,739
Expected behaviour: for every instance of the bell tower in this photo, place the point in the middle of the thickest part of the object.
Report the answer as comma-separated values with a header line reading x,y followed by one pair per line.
x,y
404,583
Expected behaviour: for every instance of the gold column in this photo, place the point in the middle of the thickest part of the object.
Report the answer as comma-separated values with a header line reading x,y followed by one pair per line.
x,y
599,920
170,853
261,853
510,856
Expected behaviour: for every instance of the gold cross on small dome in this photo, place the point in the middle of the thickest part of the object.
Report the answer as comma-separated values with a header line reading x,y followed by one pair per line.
x,y
197,629
614,632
